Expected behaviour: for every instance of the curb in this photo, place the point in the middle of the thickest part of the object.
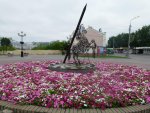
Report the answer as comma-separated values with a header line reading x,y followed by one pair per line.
x,y
15,108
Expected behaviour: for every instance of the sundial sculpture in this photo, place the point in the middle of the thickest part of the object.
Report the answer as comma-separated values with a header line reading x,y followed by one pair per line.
x,y
82,46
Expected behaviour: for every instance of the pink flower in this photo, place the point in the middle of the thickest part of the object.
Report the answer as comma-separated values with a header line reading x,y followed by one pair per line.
x,y
148,99
110,85
62,103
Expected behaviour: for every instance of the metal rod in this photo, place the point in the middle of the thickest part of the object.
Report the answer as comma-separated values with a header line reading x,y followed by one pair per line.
x,y
68,51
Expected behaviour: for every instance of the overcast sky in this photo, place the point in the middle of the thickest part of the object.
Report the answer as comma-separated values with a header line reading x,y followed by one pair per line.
x,y
48,20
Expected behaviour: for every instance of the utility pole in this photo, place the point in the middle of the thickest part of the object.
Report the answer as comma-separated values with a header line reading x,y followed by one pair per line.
x,y
130,35
113,43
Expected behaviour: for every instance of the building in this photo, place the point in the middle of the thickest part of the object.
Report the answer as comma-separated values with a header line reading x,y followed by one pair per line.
x,y
26,45
98,36
141,50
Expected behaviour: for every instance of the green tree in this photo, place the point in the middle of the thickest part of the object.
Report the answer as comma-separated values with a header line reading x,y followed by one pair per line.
x,y
54,45
142,37
5,43
110,42
120,40
0,49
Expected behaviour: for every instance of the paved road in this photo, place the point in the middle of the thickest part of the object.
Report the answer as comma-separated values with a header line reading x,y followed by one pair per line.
x,y
139,60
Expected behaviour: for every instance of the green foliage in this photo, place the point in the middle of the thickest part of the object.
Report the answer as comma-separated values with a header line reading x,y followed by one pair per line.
x,y
37,101
120,40
115,104
54,45
1,48
5,44
51,91
139,38
109,51
137,100
11,48
40,47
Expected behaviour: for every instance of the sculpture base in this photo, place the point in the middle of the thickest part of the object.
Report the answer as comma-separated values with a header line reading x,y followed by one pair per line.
x,y
71,67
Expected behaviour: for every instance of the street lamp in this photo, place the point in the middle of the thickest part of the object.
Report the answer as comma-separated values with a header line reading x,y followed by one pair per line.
x,y
113,43
21,42
130,35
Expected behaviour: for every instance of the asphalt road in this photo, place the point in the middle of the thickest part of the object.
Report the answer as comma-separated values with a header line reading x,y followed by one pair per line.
x,y
138,60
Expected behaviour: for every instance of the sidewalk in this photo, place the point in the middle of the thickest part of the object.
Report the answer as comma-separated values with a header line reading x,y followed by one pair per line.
x,y
138,60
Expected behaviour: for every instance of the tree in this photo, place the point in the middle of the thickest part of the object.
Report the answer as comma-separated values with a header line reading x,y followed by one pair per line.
x,y
110,42
118,41
140,38
54,45
5,43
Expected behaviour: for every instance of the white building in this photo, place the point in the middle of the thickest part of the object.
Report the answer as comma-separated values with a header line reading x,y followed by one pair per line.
x,y
98,36
26,45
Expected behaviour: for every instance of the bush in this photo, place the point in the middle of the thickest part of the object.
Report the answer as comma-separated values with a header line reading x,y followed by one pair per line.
x,y
55,45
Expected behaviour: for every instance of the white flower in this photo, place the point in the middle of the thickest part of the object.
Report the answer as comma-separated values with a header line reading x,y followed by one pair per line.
x,y
128,89
100,100
85,105
1,69
82,101
37,69
76,97
75,92
22,96
142,101
71,97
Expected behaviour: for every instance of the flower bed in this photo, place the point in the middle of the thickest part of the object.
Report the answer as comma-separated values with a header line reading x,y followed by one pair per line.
x,y
111,85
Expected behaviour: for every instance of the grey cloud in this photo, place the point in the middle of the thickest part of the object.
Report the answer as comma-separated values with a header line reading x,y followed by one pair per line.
x,y
47,20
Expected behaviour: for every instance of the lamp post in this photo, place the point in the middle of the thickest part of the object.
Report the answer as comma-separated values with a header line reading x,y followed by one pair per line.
x,y
21,42
130,35
113,43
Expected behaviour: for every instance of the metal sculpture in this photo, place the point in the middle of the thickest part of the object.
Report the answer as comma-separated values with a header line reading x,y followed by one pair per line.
x,y
93,46
68,51
82,46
